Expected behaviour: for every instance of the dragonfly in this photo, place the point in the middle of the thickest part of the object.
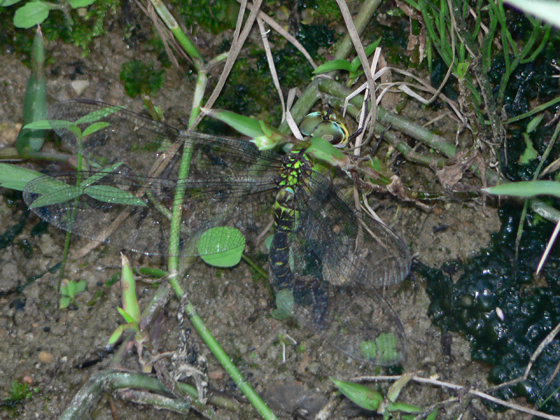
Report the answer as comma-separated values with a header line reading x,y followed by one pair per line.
x,y
327,262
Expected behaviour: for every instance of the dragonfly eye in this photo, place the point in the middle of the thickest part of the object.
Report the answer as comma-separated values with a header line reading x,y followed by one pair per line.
x,y
325,125
311,121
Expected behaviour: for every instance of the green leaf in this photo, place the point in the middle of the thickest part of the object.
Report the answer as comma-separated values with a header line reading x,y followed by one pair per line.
x,y
68,288
333,65
462,70
39,125
284,305
35,104
432,415
534,123
326,152
371,47
96,177
80,286
128,318
116,335
386,348
74,129
357,63
7,3
64,302
397,387
268,241
404,408
81,3
16,177
98,114
95,127
33,13
128,286
369,350
53,192
530,153
152,272
361,395
109,194
526,189
264,136
221,246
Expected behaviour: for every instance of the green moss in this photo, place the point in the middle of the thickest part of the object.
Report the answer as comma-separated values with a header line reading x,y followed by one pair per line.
x,y
495,282
328,10
214,16
140,78
85,29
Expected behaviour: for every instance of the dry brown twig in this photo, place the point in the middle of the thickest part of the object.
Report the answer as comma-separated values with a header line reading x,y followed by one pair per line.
x,y
271,65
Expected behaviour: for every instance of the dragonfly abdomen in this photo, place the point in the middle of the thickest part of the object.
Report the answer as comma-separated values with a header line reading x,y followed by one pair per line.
x,y
295,166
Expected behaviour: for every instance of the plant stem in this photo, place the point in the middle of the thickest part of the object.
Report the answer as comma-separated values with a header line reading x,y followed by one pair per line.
x,y
174,27
110,380
173,264
227,364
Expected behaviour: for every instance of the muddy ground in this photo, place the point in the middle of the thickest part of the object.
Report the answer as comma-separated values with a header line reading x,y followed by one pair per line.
x,y
44,345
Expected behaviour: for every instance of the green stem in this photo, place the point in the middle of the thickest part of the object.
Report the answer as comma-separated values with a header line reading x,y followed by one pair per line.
x,y
109,380
363,18
184,41
227,364
173,264
534,111
175,230
72,217
254,266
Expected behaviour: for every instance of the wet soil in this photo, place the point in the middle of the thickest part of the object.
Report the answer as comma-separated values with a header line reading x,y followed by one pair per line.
x,y
45,346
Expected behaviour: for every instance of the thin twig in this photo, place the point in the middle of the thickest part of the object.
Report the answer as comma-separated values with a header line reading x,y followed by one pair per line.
x,y
274,25
237,44
461,388
271,65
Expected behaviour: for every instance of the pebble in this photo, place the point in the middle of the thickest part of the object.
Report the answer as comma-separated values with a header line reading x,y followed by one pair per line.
x,y
45,357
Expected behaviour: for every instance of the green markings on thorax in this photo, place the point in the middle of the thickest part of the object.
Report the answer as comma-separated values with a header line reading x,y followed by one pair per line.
x,y
297,167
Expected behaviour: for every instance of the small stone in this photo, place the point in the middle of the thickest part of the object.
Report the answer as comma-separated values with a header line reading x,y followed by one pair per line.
x,y
80,86
45,357
216,375
27,380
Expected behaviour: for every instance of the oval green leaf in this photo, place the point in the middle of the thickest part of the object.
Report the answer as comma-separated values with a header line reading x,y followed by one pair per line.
x,y
95,127
361,395
33,13
221,246
81,3
109,194
333,65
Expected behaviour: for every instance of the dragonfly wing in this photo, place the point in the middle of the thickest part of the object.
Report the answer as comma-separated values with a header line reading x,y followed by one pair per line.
x,y
142,221
337,269
381,257
229,182
129,137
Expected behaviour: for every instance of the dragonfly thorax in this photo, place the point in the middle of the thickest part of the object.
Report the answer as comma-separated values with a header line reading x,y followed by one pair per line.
x,y
296,169
296,166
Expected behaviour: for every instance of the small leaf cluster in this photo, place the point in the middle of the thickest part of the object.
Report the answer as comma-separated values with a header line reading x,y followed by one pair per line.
x,y
36,12
69,291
